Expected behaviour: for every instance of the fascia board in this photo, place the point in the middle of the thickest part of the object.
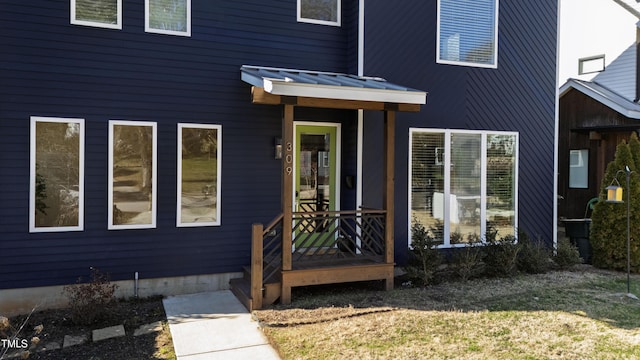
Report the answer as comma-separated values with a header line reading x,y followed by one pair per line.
x,y
286,88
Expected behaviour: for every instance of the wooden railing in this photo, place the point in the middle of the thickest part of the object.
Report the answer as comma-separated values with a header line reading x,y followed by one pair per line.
x,y
266,256
322,238
323,235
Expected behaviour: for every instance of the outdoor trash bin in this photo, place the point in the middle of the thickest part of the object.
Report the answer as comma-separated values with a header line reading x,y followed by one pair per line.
x,y
578,232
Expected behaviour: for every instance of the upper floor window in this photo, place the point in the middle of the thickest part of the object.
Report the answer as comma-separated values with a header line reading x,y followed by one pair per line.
x,y
325,12
99,13
591,64
468,33
172,17
56,196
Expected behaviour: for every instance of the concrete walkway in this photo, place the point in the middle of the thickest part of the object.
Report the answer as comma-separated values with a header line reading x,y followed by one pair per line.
x,y
214,325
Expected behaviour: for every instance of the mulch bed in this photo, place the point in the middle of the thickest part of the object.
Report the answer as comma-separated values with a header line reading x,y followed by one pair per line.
x,y
58,323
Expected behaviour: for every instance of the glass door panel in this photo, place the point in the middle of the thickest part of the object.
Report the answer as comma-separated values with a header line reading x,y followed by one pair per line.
x,y
315,183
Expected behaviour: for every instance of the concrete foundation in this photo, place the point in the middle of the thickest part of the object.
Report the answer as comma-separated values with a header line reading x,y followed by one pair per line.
x,y
22,301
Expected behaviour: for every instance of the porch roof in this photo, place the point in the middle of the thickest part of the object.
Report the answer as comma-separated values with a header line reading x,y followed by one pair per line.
x,y
332,86
604,96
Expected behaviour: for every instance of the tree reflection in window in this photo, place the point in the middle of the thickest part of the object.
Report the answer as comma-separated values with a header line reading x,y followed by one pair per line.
x,y
199,164
56,174
132,172
168,16
319,11
100,13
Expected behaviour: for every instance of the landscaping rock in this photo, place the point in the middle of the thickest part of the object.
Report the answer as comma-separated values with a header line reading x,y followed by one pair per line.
x,y
50,346
108,333
148,328
71,340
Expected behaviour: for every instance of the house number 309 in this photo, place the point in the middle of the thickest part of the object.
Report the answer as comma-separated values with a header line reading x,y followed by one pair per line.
x,y
289,158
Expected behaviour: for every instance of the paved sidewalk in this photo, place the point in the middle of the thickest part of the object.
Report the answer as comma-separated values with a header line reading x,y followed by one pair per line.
x,y
214,325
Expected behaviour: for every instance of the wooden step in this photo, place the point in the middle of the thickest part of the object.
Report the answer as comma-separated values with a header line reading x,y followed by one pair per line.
x,y
271,293
241,288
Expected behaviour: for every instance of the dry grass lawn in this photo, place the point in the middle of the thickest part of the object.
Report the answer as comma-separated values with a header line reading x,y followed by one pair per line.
x,y
580,314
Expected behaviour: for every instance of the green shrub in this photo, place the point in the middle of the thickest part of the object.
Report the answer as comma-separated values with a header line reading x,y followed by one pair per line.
x,y
467,262
424,257
608,234
534,256
500,255
567,254
89,302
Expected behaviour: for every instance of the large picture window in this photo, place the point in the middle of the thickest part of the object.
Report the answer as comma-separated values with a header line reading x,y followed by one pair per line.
x,y
199,174
99,13
468,32
325,12
56,196
172,17
132,174
463,183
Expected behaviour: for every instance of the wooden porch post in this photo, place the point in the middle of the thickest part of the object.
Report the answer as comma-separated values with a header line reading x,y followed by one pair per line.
x,y
389,183
287,198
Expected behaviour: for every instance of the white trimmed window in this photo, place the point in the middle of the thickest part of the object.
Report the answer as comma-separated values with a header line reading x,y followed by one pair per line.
x,y
171,17
468,33
579,169
591,64
324,12
56,181
462,182
132,174
98,13
199,174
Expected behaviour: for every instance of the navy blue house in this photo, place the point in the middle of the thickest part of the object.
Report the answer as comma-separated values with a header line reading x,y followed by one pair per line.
x,y
172,143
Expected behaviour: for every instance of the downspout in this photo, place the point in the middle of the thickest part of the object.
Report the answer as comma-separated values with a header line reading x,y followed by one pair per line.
x,y
556,134
637,63
360,131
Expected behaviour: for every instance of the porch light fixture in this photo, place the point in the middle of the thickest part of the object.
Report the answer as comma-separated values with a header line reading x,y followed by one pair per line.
x,y
614,195
277,144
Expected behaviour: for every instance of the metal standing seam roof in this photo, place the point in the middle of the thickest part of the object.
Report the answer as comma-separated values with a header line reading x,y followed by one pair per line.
x,y
603,95
328,85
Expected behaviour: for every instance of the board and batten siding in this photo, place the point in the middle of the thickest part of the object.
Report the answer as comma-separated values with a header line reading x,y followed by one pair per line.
x,y
51,68
519,95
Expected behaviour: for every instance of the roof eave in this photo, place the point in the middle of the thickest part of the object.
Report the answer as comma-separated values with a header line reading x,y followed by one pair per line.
x,y
601,98
286,88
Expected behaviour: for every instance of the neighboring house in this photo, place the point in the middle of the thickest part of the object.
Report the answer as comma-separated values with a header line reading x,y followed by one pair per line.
x,y
598,104
152,142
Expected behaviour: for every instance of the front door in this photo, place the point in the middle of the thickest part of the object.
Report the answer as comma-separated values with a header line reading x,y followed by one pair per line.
x,y
316,173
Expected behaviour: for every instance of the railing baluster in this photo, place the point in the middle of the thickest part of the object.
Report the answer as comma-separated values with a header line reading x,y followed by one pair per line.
x,y
317,235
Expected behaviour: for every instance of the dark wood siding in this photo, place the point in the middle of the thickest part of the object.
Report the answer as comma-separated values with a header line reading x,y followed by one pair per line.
x,y
517,96
587,124
51,68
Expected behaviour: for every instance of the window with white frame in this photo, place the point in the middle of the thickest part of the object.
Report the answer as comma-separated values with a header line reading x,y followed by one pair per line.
x,y
199,174
579,169
99,13
172,17
591,64
325,12
468,33
56,191
463,183
132,174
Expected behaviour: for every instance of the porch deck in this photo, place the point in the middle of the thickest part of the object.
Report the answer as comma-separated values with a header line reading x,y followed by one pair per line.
x,y
326,248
